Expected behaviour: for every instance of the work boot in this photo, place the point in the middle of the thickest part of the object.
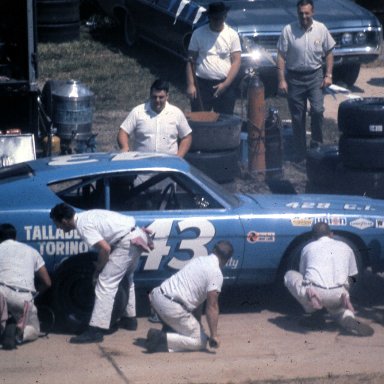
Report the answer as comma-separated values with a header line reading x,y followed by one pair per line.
x,y
355,327
91,335
313,320
9,337
156,341
128,323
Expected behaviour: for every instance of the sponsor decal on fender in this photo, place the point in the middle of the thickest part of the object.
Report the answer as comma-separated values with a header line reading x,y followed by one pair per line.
x,y
333,220
362,223
261,237
302,221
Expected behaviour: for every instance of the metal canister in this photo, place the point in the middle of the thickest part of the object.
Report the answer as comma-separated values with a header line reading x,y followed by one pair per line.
x,y
72,110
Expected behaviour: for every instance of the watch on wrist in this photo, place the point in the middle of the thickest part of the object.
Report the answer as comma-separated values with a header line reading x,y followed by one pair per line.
x,y
327,75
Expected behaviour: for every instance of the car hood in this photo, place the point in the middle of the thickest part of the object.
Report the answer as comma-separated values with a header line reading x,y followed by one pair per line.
x,y
318,204
272,15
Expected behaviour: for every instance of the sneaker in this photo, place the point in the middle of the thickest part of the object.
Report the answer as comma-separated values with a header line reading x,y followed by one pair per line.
x,y
9,337
156,341
128,323
355,327
91,335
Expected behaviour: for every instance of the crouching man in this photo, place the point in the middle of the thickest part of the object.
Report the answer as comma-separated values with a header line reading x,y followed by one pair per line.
x,y
326,266
178,301
18,265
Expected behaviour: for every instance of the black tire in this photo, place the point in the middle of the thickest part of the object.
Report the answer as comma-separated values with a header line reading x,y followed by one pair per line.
x,y
129,30
57,11
362,117
220,166
321,166
362,153
219,135
58,33
349,181
347,73
73,294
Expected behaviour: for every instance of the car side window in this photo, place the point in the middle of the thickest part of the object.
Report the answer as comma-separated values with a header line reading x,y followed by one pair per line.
x,y
82,193
156,191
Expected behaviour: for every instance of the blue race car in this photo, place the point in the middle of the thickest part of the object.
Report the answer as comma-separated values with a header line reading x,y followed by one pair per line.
x,y
187,212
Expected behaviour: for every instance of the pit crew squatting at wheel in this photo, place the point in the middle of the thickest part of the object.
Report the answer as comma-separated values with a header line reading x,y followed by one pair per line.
x,y
326,265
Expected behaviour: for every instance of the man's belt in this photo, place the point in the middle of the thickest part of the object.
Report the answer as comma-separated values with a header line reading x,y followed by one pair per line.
x,y
19,290
173,299
307,72
308,283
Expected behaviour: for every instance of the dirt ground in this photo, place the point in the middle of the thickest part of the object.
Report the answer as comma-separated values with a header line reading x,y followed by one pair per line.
x,y
262,340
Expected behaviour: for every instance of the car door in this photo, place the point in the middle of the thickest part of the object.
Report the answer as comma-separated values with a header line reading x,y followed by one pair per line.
x,y
185,220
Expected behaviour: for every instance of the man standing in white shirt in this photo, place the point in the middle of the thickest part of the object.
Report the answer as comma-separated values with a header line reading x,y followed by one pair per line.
x,y
326,266
119,244
178,301
214,61
156,126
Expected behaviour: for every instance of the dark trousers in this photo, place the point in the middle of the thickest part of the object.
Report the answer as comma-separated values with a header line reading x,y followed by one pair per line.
x,y
225,103
304,87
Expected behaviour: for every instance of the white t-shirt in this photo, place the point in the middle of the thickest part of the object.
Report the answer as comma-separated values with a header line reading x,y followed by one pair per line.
x,y
99,224
192,283
18,264
327,262
156,132
214,51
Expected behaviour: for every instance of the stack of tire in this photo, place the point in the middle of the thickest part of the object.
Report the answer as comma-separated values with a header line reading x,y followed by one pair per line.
x,y
356,166
215,147
58,21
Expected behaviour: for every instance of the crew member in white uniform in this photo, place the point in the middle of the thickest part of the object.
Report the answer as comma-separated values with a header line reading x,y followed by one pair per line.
x,y
119,244
326,267
156,126
215,58
19,263
178,301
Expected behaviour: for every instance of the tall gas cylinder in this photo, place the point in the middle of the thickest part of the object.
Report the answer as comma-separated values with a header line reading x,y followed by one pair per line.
x,y
273,145
256,126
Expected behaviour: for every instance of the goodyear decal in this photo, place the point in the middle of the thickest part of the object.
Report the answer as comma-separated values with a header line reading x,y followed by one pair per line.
x,y
261,237
302,221
333,220
362,223
380,223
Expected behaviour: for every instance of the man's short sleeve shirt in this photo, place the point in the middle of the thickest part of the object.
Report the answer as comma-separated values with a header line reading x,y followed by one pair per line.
x,y
328,262
193,282
214,51
305,50
99,224
156,132
18,264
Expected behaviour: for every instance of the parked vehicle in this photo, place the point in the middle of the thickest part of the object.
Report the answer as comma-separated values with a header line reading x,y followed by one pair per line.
x,y
187,212
169,25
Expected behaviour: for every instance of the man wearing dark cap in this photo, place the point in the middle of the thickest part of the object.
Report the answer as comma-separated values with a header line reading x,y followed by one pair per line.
x,y
214,61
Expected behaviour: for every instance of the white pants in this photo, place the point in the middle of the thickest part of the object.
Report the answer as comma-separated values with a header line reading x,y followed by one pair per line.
x,y
15,303
190,335
330,298
122,261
